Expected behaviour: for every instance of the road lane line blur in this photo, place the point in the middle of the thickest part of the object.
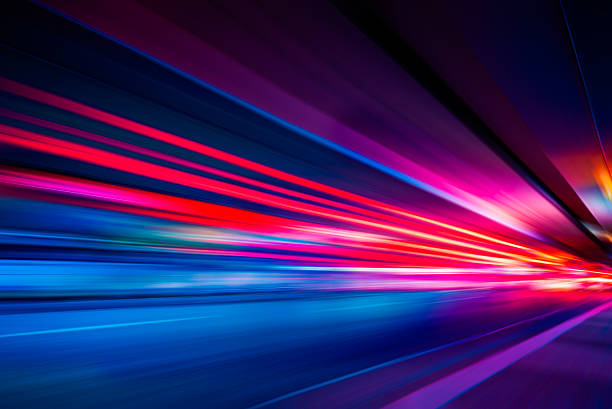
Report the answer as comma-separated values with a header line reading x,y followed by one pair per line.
x,y
400,360
442,391
357,307
95,327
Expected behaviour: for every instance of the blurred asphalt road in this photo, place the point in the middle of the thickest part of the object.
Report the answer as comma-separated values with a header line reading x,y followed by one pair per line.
x,y
344,350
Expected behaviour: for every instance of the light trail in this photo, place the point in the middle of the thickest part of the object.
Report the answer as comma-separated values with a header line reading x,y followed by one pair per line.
x,y
132,126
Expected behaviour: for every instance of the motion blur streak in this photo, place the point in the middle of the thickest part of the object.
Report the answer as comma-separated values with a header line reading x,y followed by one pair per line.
x,y
234,204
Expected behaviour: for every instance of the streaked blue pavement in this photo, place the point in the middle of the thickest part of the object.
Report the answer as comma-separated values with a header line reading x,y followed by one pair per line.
x,y
271,350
